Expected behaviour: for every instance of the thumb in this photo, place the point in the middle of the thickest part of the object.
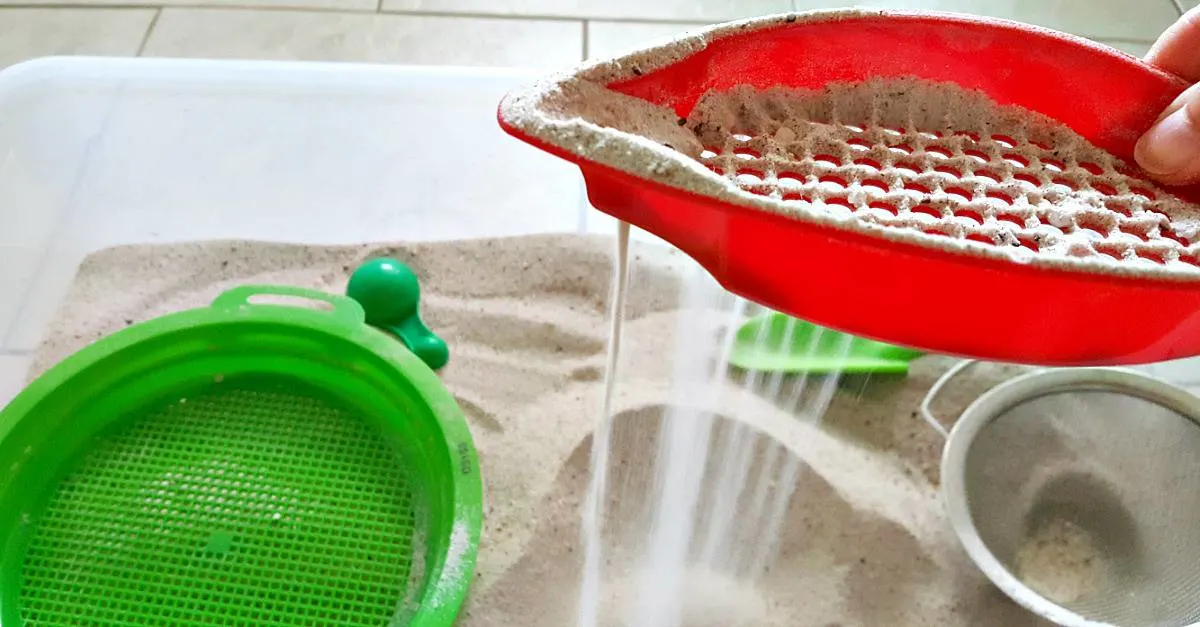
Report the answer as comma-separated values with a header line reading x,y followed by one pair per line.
x,y
1170,150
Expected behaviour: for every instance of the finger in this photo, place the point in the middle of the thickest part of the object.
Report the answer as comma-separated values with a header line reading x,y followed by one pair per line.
x,y
1170,150
1189,94
1176,51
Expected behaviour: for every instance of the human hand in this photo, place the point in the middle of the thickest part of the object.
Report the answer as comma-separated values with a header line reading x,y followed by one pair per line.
x,y
1170,150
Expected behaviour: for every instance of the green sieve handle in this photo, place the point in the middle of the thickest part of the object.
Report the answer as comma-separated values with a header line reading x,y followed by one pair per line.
x,y
343,309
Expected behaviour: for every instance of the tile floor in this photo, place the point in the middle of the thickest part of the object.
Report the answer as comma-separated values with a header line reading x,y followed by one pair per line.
x,y
531,33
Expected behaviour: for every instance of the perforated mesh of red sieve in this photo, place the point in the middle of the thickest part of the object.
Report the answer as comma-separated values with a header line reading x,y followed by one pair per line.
x,y
997,182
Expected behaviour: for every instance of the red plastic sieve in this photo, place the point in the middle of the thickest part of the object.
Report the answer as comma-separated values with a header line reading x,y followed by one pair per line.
x,y
1136,299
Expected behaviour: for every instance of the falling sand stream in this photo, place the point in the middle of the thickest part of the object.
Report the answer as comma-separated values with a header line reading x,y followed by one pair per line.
x,y
720,488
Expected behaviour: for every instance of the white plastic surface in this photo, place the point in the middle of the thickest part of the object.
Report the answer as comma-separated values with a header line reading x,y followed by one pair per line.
x,y
101,152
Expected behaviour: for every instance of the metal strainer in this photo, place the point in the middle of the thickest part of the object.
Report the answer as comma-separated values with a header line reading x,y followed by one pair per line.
x,y
1077,492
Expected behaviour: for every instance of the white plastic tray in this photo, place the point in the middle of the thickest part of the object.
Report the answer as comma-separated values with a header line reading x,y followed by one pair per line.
x,y
100,152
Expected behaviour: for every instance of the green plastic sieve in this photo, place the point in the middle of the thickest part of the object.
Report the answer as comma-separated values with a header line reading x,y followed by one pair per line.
x,y
240,464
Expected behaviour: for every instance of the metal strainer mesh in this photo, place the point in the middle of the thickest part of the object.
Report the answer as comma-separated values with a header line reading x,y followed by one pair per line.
x,y
1091,499
252,504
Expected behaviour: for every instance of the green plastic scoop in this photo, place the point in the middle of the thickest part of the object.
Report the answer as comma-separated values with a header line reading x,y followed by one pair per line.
x,y
389,293
774,342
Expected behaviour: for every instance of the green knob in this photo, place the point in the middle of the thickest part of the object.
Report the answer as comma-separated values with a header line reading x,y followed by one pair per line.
x,y
390,296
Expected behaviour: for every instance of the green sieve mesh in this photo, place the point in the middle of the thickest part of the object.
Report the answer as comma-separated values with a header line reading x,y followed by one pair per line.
x,y
250,504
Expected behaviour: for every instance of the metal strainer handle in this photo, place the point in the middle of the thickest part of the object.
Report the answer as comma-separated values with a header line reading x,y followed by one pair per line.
x,y
933,392
936,388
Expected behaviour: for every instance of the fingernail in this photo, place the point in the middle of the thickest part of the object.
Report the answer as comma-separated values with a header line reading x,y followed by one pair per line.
x,y
1170,145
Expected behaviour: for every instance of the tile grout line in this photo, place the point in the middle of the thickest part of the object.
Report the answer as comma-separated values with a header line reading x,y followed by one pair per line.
x,y
586,42
523,16
150,5
326,9
1121,40
560,18
149,29
379,9
1178,7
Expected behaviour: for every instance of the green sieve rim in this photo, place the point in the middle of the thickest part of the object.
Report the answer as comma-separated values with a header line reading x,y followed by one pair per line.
x,y
51,422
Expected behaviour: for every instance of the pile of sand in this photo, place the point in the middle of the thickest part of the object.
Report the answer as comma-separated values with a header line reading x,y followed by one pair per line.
x,y
864,542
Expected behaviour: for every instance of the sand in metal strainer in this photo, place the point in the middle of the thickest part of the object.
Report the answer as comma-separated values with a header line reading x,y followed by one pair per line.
x,y
239,464
1076,492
